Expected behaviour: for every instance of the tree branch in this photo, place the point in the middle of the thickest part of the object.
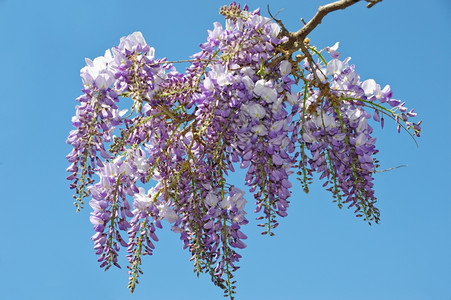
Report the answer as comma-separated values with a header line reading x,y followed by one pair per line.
x,y
302,33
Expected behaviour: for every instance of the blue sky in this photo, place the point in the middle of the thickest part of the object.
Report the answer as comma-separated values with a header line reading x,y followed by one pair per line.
x,y
319,252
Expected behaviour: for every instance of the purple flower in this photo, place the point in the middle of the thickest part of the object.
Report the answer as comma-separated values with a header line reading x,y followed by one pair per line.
x,y
333,50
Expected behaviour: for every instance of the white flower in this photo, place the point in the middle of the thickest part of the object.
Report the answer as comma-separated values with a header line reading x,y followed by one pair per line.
x,y
370,87
326,121
335,66
363,125
98,71
226,203
139,159
222,79
260,130
308,138
285,68
255,110
142,200
279,125
248,83
132,41
113,169
333,50
292,98
264,90
208,84
167,213
237,198
354,115
94,203
275,29
212,199
215,34
220,73
320,73
277,105
248,71
361,139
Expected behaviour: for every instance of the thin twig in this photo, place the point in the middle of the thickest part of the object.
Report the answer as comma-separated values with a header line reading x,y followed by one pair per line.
x,y
389,169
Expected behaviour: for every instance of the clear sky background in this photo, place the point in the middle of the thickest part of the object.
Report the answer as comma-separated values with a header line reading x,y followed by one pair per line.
x,y
319,252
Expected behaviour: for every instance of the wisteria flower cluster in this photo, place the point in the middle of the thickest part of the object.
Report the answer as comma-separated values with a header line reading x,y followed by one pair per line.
x,y
244,101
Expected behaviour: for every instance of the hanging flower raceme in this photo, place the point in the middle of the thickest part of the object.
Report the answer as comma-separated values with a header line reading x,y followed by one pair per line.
x,y
244,101
335,111
95,120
